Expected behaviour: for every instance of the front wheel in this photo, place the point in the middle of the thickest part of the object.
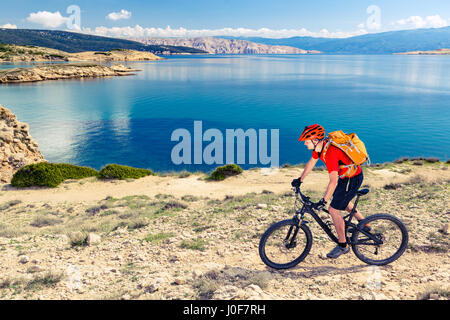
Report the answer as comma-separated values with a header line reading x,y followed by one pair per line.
x,y
384,241
285,244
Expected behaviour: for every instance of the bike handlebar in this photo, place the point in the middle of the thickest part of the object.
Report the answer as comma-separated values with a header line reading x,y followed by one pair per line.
x,y
304,198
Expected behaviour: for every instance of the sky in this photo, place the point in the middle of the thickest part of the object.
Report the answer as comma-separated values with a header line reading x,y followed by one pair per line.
x,y
191,18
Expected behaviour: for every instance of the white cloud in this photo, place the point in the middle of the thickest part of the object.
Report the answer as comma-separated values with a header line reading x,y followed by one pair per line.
x,y
140,32
418,22
8,26
48,19
123,14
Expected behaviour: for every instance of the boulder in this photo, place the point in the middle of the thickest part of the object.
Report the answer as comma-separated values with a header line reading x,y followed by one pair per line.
x,y
93,239
445,228
18,147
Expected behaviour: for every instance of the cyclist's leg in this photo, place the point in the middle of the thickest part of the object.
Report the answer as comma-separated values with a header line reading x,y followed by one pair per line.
x,y
338,222
358,214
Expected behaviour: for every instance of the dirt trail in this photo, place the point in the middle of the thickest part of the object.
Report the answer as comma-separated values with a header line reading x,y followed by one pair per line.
x,y
277,181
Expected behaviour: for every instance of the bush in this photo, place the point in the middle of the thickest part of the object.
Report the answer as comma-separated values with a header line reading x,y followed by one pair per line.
x,y
401,160
70,171
44,174
226,171
115,171
432,160
56,56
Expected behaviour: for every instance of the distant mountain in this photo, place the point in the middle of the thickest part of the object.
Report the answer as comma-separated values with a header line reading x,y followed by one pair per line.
x,y
226,46
78,42
373,43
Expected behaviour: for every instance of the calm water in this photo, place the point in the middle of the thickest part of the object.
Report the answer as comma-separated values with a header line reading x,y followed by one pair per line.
x,y
398,105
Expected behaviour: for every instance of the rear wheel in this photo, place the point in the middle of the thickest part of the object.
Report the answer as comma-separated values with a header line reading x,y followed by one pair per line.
x,y
384,243
285,244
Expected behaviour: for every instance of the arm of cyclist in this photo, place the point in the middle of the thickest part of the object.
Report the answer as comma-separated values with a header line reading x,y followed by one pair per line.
x,y
329,192
308,168
331,185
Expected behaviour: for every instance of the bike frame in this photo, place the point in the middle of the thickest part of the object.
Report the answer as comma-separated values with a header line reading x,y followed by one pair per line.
x,y
307,208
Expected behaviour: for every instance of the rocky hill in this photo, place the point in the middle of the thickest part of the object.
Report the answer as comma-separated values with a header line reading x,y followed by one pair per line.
x,y
183,237
225,46
62,71
372,43
17,147
79,42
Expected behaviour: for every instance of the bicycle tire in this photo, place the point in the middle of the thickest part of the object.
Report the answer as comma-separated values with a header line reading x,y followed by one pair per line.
x,y
279,225
372,220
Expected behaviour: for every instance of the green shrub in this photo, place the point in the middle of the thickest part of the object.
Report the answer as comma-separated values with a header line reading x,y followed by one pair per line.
x,y
432,160
45,174
57,56
225,171
41,174
115,171
194,244
70,171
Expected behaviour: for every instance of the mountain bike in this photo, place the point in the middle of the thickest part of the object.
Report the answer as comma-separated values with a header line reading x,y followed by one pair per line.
x,y
378,239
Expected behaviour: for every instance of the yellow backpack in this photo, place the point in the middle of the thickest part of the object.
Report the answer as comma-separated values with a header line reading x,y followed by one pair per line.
x,y
352,146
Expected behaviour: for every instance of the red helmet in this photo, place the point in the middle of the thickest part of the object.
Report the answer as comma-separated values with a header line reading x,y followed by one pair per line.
x,y
314,131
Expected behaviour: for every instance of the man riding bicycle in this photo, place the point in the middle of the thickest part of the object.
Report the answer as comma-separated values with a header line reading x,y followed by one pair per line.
x,y
345,180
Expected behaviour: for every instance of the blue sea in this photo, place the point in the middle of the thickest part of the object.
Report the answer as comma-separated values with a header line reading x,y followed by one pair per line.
x,y
398,105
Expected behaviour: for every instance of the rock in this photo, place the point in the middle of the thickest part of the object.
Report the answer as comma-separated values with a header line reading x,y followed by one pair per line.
x,y
227,292
93,239
434,296
196,273
261,206
366,296
152,288
34,269
179,281
24,259
380,296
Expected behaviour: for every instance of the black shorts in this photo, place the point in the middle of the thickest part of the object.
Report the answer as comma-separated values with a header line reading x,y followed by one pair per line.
x,y
346,190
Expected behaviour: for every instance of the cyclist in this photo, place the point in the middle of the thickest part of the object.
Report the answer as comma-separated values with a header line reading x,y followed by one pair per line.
x,y
342,189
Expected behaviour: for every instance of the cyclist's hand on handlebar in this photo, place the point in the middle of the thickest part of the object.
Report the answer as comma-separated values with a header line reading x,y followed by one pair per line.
x,y
319,205
296,183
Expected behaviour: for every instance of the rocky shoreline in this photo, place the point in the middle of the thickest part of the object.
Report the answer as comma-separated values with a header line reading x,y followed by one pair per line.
x,y
17,147
62,71
432,52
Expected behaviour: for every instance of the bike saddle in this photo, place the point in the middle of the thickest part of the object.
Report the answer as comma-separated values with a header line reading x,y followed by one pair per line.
x,y
363,192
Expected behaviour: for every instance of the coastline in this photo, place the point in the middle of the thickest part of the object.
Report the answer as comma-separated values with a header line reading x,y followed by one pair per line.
x,y
62,71
430,52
